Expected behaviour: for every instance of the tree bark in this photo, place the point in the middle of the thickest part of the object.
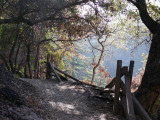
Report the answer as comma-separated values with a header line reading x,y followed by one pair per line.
x,y
25,72
16,56
149,90
13,49
151,24
36,63
29,61
95,67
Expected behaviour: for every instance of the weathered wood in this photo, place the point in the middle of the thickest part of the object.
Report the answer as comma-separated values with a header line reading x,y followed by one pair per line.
x,y
123,87
52,68
130,108
112,83
100,88
131,66
66,74
62,77
117,87
124,104
140,110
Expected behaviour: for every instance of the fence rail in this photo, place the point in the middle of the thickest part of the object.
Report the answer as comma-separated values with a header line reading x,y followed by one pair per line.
x,y
122,90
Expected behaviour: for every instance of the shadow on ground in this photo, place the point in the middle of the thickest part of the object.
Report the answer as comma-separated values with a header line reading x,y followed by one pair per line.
x,y
68,101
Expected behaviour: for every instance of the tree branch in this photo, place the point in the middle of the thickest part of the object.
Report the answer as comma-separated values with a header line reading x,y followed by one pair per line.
x,y
21,19
151,24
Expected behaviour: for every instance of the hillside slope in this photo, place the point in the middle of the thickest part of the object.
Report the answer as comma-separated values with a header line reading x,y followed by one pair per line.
x,y
50,100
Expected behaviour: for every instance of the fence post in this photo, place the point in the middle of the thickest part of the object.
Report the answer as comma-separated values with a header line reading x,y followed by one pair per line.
x,y
128,78
117,87
53,69
131,66
124,104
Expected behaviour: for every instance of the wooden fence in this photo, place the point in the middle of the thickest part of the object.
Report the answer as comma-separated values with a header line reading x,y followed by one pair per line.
x,y
123,98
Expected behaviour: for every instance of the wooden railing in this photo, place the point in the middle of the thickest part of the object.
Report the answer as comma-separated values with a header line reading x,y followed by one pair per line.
x,y
122,92
57,73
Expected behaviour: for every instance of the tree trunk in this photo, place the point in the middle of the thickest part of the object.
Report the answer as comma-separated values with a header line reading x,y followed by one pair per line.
x,y
149,90
29,61
25,72
95,67
36,63
13,50
11,54
16,57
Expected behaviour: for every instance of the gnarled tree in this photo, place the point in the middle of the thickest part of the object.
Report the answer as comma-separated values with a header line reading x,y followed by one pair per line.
x,y
149,89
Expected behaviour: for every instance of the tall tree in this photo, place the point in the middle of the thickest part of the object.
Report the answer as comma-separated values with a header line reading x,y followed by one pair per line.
x,y
149,89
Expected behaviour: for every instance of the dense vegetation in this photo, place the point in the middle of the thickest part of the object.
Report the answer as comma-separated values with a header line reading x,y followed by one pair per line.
x,y
29,30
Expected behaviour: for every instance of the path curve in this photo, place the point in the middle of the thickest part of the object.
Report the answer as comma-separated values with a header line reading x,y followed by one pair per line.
x,y
68,101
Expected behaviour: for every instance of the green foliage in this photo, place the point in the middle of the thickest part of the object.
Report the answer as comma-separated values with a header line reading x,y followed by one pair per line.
x,y
154,10
113,18
6,35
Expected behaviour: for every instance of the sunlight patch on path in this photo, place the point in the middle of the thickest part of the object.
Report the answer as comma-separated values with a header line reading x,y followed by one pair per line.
x,y
68,101
102,117
68,108
68,87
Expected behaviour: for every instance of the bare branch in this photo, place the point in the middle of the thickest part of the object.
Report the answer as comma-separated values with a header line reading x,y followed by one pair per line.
x,y
21,19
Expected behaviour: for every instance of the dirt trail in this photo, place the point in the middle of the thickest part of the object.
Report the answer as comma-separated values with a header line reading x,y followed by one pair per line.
x,y
68,101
